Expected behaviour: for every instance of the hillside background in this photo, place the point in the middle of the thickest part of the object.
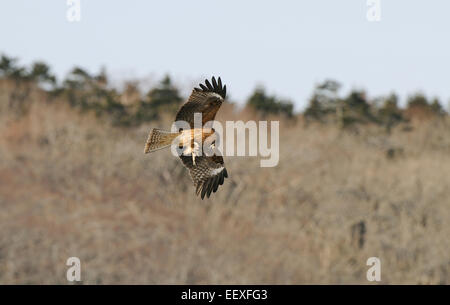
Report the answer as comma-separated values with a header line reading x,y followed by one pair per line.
x,y
357,178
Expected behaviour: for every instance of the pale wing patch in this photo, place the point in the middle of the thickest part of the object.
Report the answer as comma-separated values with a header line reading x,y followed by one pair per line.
x,y
216,171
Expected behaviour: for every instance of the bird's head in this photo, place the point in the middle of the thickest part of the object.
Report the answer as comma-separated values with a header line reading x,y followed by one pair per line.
x,y
211,106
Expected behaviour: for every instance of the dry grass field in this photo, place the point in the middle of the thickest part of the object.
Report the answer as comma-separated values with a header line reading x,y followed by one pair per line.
x,y
72,185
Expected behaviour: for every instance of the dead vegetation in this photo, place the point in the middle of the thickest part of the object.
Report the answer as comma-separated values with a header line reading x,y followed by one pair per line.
x,y
73,185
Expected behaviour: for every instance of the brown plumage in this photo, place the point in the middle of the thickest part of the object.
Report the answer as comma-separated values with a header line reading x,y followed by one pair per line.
x,y
207,170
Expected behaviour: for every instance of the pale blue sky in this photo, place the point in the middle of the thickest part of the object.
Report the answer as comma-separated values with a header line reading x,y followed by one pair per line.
x,y
288,46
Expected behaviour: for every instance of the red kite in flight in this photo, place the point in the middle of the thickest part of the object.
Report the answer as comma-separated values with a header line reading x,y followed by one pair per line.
x,y
207,171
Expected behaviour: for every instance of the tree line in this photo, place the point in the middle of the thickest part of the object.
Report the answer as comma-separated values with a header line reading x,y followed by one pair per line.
x,y
92,92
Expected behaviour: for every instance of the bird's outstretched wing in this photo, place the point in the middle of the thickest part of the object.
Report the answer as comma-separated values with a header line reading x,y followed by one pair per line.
x,y
205,100
208,173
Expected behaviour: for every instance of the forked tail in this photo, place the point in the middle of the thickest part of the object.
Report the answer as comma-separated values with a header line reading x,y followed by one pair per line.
x,y
159,139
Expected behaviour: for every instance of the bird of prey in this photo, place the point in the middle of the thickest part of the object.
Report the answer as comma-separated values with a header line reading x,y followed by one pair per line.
x,y
206,170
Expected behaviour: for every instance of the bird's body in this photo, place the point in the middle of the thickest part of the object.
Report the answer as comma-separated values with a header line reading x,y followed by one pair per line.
x,y
196,135
198,144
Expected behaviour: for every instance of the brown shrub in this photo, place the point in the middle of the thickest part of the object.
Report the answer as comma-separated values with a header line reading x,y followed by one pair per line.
x,y
72,185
